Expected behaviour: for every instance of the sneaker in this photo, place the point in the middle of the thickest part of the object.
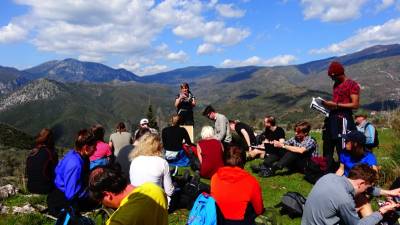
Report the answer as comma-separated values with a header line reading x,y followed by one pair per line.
x,y
267,172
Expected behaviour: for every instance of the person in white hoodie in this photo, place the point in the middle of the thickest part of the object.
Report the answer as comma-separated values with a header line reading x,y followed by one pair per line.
x,y
148,164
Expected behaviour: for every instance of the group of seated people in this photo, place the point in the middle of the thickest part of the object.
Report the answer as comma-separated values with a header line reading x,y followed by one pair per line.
x,y
132,174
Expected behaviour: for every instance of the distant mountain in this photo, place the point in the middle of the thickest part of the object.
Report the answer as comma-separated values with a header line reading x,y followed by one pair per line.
x,y
374,52
10,79
38,90
244,93
72,70
194,73
68,107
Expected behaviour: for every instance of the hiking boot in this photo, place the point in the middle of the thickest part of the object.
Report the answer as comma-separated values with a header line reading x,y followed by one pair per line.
x,y
267,172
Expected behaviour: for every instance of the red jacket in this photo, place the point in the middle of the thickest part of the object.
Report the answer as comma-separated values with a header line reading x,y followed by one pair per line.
x,y
233,188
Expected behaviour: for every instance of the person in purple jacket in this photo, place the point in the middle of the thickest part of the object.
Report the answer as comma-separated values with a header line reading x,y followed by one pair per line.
x,y
71,177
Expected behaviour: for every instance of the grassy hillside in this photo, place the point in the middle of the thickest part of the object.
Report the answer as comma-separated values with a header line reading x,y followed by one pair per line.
x,y
11,137
272,188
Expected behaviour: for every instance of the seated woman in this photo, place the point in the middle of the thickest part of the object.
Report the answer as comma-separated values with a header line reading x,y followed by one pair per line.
x,y
71,177
355,153
123,156
148,164
120,138
236,192
101,156
209,152
172,139
41,162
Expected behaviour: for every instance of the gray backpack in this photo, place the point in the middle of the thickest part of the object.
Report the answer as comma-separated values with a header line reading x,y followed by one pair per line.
x,y
292,204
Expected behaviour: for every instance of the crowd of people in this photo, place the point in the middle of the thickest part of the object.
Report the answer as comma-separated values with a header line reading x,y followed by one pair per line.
x,y
137,175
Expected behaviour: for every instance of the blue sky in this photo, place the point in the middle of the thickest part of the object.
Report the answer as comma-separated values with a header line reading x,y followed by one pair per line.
x,y
147,36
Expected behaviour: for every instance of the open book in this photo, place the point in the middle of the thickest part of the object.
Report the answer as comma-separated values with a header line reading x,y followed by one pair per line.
x,y
316,104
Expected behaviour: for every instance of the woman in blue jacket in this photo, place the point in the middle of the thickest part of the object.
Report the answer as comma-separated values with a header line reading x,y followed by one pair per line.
x,y
71,176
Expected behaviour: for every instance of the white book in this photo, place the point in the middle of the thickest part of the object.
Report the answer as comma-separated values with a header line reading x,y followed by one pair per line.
x,y
316,104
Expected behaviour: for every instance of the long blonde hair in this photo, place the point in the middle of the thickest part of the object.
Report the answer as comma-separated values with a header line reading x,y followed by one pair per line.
x,y
148,145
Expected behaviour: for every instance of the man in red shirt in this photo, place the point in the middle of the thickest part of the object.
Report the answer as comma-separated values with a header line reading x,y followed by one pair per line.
x,y
346,97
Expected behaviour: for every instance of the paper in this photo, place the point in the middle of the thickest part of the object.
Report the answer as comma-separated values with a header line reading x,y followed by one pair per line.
x,y
316,104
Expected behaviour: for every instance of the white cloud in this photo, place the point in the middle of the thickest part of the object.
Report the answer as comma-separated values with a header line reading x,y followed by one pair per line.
x,y
141,69
97,29
130,65
279,60
11,33
213,32
229,11
207,48
384,5
332,10
149,70
91,58
386,33
180,56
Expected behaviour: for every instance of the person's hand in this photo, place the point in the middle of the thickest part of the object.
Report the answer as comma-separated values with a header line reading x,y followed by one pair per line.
x,y
394,192
388,206
329,104
277,144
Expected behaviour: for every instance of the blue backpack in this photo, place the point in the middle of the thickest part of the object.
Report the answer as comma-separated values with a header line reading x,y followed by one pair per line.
x,y
204,211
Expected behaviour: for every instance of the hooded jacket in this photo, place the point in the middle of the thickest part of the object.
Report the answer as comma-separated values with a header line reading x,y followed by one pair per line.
x,y
233,189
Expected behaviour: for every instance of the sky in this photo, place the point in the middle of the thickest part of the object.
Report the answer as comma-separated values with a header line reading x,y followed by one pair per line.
x,y
148,36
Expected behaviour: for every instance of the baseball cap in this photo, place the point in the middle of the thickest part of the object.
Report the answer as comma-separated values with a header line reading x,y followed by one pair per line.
x,y
144,121
355,136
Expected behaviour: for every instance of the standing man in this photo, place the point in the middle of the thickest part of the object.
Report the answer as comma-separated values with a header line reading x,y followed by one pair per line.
x,y
368,130
346,97
222,130
332,199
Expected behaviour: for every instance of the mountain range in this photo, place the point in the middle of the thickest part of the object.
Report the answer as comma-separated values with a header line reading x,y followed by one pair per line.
x,y
69,94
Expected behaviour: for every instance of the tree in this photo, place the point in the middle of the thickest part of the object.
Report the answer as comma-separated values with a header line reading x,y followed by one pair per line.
x,y
151,118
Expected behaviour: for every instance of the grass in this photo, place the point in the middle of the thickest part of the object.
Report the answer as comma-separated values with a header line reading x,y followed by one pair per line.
x,y
272,188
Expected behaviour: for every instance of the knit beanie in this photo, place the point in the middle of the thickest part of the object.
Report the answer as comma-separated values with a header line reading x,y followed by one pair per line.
x,y
335,69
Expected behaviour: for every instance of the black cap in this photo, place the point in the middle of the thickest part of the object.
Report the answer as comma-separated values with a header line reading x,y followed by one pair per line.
x,y
355,136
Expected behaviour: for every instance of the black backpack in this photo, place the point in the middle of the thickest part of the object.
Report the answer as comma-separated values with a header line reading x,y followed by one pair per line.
x,y
40,165
292,204
376,138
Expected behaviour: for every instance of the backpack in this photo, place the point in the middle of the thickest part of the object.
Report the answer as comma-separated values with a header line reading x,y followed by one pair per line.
x,y
315,168
376,138
204,211
40,165
292,203
191,191
68,216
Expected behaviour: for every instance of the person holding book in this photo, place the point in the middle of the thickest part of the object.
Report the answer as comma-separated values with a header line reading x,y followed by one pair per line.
x,y
346,97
